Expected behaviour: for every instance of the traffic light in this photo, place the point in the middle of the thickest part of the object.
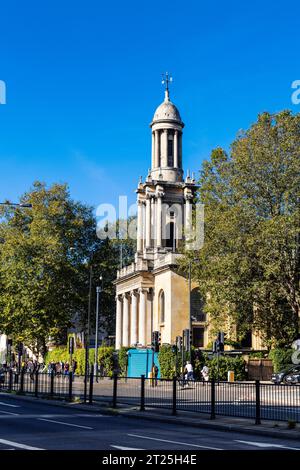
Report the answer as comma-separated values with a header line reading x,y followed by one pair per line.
x,y
156,340
188,339
220,341
174,349
179,343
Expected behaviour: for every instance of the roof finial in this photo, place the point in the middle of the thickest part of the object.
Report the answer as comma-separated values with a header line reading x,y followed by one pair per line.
x,y
166,79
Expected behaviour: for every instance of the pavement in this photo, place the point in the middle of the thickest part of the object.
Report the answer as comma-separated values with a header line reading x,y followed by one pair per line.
x,y
28,423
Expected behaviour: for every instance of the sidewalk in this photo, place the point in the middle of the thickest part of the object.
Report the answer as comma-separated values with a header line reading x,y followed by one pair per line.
x,y
184,418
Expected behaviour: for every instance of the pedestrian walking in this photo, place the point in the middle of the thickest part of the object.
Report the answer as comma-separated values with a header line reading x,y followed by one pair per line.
x,y
205,373
189,371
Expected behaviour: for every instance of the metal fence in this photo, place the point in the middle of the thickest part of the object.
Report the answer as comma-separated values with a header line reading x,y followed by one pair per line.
x,y
252,400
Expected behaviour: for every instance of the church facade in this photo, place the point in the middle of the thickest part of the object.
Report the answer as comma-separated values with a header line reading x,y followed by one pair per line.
x,y
151,295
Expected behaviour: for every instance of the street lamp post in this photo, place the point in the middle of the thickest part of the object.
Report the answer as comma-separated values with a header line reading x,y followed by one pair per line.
x,y
98,290
190,294
190,299
87,337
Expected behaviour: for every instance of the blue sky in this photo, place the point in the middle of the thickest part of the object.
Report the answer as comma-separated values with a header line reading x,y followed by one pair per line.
x,y
84,78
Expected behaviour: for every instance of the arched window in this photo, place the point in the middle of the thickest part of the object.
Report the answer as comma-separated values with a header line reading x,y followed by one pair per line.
x,y
161,306
170,150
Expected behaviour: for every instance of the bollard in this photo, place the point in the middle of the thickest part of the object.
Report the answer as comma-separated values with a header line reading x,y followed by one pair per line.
x,y
115,391
213,399
174,396
142,393
257,402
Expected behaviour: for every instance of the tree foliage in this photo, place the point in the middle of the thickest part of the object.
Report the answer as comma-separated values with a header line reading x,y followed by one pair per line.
x,y
249,267
45,258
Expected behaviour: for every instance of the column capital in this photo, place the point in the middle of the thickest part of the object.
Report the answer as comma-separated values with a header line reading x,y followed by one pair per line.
x,y
159,193
125,295
188,196
143,290
133,292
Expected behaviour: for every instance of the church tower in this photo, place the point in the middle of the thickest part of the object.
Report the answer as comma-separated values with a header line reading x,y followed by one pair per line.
x,y
150,294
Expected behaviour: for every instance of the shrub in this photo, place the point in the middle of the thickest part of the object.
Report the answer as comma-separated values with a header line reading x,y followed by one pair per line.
x,y
166,360
123,361
105,358
226,363
280,358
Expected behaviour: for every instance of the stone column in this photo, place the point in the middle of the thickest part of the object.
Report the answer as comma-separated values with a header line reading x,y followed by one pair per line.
x,y
139,234
148,221
176,149
153,151
157,148
159,196
188,223
165,151
153,217
118,322
142,317
133,320
125,340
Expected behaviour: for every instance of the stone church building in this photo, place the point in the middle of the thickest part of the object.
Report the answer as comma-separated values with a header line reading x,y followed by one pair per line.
x,y
150,294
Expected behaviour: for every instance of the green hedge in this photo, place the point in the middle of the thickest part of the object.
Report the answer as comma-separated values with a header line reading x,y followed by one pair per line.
x,y
281,358
105,358
226,363
166,359
122,361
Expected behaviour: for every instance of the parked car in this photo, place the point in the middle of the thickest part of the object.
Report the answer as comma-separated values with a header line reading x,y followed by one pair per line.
x,y
292,378
285,374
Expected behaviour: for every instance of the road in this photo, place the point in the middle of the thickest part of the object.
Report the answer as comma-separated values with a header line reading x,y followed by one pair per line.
x,y
37,425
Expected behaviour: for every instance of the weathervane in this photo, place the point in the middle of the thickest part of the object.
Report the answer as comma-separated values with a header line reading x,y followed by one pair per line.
x,y
166,79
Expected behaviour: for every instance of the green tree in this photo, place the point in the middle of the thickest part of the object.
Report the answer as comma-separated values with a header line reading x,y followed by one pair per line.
x,y
45,256
249,267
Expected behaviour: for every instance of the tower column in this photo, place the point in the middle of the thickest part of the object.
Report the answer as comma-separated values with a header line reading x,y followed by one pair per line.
x,y
148,221
125,340
133,320
118,322
165,147
142,317
159,196
156,152
140,226
153,219
188,216
176,149
153,150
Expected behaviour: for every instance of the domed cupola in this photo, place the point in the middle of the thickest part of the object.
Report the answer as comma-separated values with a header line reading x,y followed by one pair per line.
x,y
167,139
167,111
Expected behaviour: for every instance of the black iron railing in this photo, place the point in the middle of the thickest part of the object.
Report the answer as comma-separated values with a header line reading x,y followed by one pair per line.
x,y
252,400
